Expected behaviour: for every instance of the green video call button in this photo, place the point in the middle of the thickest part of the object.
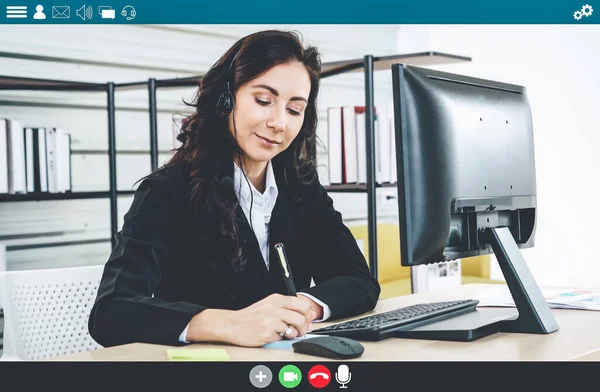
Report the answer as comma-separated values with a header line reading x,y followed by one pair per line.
x,y
290,376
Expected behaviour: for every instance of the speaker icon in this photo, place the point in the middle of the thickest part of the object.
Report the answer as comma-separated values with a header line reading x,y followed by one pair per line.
x,y
85,12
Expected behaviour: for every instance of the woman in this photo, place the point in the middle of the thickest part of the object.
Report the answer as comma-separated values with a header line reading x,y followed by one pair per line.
x,y
194,260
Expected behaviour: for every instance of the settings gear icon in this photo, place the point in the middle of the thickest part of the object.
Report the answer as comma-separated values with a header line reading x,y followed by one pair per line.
x,y
577,15
587,10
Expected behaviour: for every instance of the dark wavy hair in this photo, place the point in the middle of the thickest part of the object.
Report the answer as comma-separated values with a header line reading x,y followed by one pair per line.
x,y
207,146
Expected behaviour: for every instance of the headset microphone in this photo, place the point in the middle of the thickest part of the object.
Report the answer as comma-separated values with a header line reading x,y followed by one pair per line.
x,y
226,183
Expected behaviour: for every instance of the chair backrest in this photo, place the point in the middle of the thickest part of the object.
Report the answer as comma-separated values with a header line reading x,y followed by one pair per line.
x,y
46,311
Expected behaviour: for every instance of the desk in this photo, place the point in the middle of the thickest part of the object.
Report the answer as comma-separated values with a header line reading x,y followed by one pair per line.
x,y
593,356
578,335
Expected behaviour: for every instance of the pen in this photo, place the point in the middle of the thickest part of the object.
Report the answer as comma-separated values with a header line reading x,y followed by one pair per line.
x,y
285,269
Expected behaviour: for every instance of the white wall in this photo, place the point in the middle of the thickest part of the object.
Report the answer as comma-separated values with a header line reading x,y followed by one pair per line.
x,y
122,53
559,66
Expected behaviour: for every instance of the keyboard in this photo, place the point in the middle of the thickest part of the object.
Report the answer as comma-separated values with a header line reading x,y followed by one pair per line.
x,y
383,325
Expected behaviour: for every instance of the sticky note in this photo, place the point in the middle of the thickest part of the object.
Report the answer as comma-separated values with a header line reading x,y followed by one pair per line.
x,y
197,354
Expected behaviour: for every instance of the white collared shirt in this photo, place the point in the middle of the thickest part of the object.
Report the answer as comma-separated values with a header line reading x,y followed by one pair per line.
x,y
262,207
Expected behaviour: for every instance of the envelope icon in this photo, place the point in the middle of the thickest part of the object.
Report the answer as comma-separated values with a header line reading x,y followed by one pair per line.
x,y
61,12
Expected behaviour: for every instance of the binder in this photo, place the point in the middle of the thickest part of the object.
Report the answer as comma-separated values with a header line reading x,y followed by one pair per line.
x,y
350,155
16,157
334,128
40,165
69,170
29,165
361,145
51,160
3,158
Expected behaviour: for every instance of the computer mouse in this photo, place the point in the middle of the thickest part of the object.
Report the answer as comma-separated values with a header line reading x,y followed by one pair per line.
x,y
335,347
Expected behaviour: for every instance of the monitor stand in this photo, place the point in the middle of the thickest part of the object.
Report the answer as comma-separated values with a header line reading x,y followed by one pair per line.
x,y
532,313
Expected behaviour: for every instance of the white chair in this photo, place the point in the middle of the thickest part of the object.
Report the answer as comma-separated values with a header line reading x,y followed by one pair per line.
x,y
46,311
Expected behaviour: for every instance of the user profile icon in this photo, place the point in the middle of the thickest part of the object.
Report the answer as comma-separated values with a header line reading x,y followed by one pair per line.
x,y
39,12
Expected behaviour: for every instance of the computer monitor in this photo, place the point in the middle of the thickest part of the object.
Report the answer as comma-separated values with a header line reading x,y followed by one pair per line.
x,y
466,179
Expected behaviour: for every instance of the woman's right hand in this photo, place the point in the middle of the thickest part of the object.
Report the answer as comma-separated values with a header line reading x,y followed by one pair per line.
x,y
258,324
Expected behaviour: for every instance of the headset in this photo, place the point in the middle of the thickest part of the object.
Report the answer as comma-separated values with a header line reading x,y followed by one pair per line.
x,y
226,100
128,9
225,106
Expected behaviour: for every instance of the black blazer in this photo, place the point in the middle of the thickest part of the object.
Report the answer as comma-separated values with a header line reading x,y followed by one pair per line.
x,y
168,265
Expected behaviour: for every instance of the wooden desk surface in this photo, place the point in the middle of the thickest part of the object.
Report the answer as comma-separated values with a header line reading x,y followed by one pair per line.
x,y
593,356
578,335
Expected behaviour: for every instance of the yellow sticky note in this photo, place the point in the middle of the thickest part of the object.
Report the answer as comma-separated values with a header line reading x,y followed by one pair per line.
x,y
197,354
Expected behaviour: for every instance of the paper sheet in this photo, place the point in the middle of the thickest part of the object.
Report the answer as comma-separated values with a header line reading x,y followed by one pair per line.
x,y
557,298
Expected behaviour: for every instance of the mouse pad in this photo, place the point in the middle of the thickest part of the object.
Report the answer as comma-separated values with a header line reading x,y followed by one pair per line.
x,y
287,343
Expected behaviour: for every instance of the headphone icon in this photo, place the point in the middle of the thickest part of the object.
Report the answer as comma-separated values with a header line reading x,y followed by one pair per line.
x,y
128,10
226,99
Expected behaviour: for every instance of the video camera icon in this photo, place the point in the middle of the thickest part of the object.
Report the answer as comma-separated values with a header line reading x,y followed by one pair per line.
x,y
290,376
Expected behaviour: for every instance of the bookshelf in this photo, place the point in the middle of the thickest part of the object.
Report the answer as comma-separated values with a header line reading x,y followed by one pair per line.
x,y
32,84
